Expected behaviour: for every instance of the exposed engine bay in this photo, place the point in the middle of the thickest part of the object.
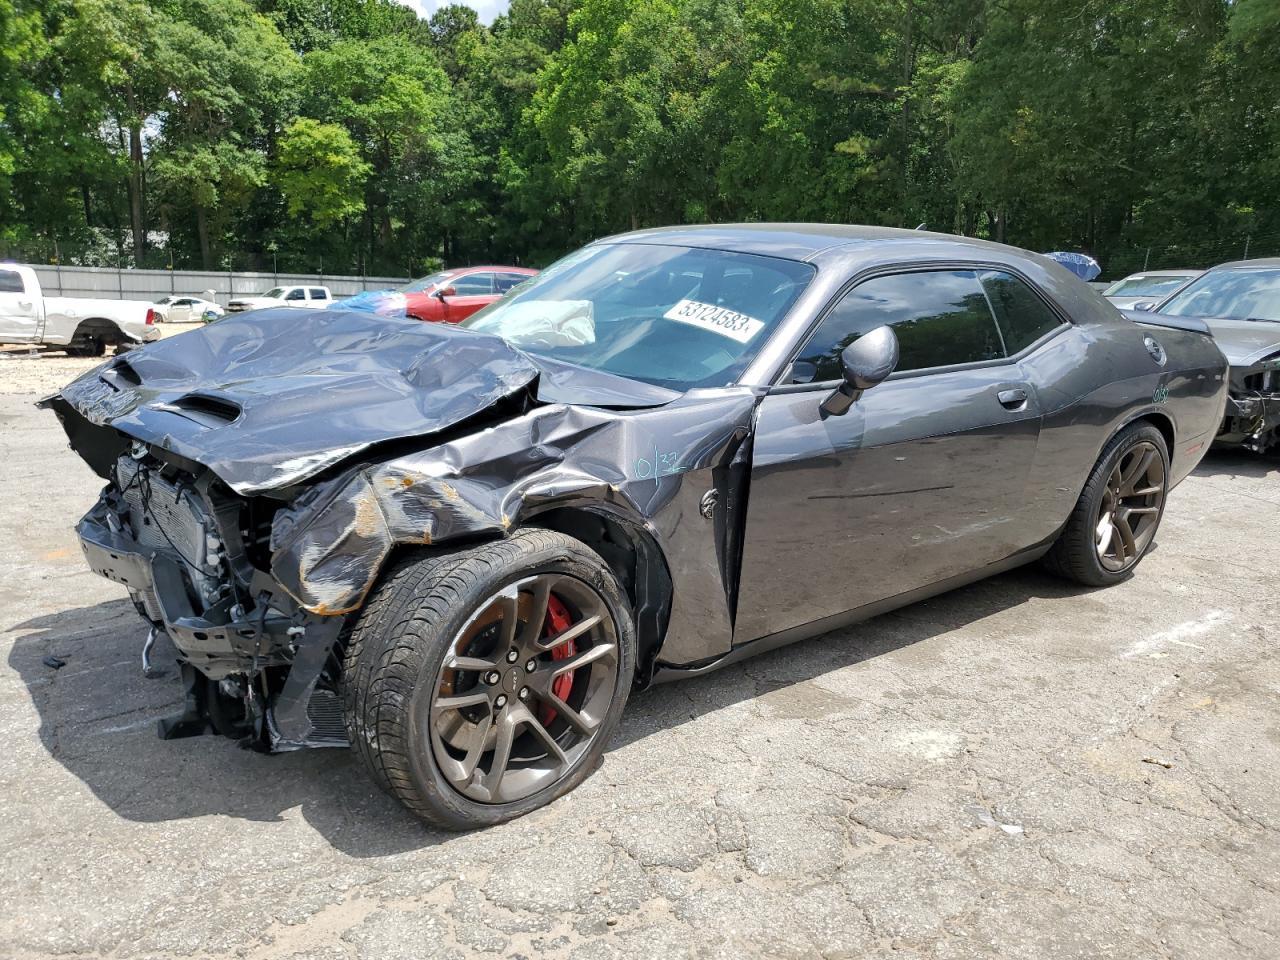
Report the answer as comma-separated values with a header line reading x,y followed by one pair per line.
x,y
1252,418
193,555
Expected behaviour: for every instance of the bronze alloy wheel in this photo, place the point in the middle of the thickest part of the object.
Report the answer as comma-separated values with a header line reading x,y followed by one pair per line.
x,y
1130,507
521,693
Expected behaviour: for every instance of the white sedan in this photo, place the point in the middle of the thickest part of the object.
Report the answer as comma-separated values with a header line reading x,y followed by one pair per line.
x,y
179,309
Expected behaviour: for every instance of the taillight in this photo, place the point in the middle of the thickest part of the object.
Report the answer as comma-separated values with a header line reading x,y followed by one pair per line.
x,y
151,316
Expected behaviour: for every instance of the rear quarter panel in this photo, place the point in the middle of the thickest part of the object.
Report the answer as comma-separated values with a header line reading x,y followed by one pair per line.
x,y
1100,377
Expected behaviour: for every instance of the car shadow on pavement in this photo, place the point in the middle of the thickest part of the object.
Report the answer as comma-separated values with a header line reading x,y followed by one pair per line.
x,y
98,717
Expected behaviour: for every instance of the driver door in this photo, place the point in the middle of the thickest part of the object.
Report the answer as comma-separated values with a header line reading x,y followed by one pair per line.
x,y
922,480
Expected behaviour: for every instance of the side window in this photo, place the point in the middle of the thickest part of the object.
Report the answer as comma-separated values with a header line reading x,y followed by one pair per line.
x,y
11,282
319,293
1023,317
941,318
473,285
297,293
502,282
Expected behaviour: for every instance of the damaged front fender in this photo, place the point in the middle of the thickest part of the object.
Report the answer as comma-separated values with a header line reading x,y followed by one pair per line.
x,y
654,468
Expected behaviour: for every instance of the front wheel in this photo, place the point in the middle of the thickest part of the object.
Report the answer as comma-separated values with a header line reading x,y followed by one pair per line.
x,y
1115,520
483,683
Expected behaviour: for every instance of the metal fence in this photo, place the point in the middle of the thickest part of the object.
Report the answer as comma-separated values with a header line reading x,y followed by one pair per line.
x,y
117,284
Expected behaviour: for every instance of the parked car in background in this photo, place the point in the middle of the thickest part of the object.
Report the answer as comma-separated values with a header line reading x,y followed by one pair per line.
x,y
316,298
79,326
451,296
1148,285
1240,303
183,309
459,549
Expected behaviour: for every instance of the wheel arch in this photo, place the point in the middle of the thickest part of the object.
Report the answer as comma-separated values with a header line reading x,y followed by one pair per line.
x,y
107,330
1161,421
636,559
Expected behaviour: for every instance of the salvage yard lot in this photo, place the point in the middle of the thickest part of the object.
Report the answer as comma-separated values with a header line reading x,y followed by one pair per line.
x,y
1022,768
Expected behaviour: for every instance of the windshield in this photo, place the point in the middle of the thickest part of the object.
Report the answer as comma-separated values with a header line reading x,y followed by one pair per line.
x,y
1145,286
426,283
676,317
275,293
1236,294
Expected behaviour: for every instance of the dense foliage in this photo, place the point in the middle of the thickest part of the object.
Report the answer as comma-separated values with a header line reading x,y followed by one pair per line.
x,y
351,136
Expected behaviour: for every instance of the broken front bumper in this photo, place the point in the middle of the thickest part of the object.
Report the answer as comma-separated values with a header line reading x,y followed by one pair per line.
x,y
1251,421
228,640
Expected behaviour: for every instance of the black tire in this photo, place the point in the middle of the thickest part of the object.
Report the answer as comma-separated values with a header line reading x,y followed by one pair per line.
x,y
1074,555
90,347
396,651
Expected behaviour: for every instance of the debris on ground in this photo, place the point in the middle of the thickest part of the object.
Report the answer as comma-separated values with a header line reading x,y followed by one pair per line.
x,y
56,663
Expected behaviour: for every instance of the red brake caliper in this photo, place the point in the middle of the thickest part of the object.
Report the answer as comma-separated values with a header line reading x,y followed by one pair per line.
x,y
558,619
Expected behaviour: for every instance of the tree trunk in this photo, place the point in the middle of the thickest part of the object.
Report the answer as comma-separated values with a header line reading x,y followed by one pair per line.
x,y
137,207
202,229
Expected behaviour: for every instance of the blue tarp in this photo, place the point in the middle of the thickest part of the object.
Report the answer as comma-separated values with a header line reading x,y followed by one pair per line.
x,y
1081,264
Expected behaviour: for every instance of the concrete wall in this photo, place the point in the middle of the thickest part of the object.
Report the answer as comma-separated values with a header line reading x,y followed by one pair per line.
x,y
113,284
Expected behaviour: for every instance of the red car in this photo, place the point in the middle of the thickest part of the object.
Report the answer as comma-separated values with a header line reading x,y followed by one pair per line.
x,y
451,296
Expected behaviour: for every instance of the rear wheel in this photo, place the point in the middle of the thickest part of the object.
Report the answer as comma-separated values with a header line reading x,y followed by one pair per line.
x,y
482,683
87,347
1115,520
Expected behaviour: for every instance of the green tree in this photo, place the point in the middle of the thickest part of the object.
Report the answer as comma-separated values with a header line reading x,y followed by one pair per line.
x,y
320,173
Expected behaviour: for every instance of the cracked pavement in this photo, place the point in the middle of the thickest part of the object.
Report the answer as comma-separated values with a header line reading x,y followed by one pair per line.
x,y
1017,769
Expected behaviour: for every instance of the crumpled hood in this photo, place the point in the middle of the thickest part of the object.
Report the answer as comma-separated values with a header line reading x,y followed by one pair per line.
x,y
1245,342
270,398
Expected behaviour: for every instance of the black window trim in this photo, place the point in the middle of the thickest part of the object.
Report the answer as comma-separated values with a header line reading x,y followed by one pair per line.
x,y
929,266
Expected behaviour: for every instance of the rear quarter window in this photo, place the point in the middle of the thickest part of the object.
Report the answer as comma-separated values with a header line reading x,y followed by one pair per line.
x,y
1022,314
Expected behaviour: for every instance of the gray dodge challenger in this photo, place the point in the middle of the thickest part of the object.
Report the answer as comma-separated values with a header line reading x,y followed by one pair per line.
x,y
458,549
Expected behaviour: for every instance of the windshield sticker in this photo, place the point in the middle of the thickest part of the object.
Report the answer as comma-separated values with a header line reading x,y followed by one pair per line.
x,y
727,323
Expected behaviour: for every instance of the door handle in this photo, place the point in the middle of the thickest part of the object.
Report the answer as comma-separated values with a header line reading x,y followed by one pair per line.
x,y
1013,399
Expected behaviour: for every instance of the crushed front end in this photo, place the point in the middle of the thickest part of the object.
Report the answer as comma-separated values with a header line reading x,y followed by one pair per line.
x,y
194,557
1252,418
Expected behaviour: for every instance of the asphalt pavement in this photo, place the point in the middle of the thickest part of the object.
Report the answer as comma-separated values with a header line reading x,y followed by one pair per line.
x,y
1022,768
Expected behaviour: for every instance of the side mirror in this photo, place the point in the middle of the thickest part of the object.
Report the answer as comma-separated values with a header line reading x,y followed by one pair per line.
x,y
866,362
1146,306
445,292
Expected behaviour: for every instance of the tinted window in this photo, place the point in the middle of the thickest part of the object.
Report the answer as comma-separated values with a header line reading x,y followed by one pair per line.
x,y
319,293
1023,317
11,282
940,318
473,285
674,316
298,294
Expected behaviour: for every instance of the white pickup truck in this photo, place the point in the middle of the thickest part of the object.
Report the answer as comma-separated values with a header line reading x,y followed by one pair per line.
x,y
83,328
316,298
